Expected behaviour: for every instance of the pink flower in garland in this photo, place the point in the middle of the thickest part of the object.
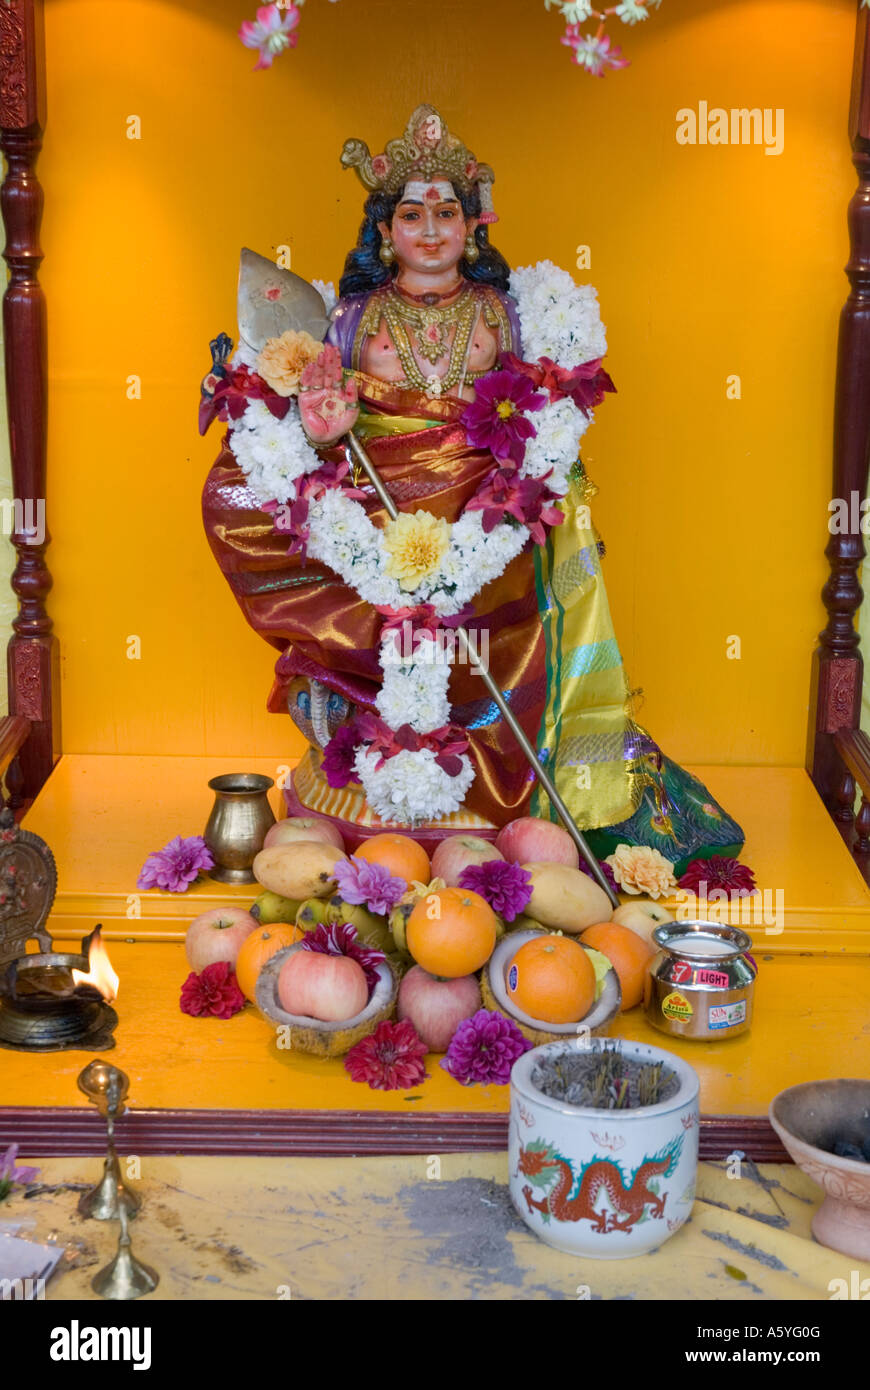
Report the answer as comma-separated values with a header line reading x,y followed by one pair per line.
x,y
175,867
340,939
338,757
368,885
719,872
213,993
495,420
270,33
506,887
593,51
503,494
484,1048
392,1058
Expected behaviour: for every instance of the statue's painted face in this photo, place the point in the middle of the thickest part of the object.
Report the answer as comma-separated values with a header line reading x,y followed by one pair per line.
x,y
428,229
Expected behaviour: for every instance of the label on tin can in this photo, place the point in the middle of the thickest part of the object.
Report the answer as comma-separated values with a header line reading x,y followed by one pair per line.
x,y
727,1015
676,1005
712,977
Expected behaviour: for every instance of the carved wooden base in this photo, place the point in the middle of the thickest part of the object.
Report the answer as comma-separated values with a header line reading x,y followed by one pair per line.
x,y
67,1131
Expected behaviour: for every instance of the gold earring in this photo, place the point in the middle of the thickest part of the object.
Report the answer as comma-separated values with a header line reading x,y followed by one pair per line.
x,y
387,252
472,250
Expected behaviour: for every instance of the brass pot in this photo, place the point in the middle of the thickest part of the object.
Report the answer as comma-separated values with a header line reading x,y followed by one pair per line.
x,y
238,823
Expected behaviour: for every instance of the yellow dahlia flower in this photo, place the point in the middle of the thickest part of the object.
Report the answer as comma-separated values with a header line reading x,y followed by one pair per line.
x,y
415,546
283,360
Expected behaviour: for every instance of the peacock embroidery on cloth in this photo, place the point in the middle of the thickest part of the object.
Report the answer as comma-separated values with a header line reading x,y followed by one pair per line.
x,y
626,1204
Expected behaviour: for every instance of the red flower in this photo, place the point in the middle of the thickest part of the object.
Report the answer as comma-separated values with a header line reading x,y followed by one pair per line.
x,y
585,385
529,500
214,993
447,743
390,1059
236,390
719,872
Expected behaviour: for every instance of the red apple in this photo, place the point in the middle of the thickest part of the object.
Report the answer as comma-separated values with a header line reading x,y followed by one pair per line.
x,y
294,828
217,935
534,841
437,1007
330,988
459,852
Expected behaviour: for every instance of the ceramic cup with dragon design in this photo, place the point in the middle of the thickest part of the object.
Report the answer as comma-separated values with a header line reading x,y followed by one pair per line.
x,y
607,1184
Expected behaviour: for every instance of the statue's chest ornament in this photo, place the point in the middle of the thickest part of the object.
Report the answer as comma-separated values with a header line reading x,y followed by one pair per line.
x,y
425,331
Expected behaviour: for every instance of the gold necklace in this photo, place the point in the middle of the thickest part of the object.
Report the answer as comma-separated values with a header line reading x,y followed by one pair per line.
x,y
431,326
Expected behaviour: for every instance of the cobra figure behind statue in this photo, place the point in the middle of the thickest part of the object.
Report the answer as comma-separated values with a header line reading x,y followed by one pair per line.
x,y
426,326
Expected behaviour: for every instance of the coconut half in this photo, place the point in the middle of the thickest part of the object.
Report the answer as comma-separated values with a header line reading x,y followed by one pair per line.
x,y
313,1035
493,987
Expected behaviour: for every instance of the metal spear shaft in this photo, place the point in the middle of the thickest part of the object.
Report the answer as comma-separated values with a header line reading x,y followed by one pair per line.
x,y
531,753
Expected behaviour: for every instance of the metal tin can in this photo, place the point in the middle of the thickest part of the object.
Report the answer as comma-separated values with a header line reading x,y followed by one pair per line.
x,y
701,983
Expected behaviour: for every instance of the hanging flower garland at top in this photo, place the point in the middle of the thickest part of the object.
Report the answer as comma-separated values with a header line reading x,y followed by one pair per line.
x,y
276,29
418,571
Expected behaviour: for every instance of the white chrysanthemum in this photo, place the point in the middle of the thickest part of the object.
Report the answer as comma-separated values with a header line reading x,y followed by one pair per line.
x,y
244,355
558,319
415,695
326,290
556,445
411,787
272,453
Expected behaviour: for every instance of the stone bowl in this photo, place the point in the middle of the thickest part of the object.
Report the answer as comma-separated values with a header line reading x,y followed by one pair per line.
x,y
808,1119
313,1035
493,989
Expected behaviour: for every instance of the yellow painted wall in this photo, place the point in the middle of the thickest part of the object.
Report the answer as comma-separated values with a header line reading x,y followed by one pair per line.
x,y
708,260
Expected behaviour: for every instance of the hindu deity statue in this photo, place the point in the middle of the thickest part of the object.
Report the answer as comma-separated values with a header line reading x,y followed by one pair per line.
x,y
469,386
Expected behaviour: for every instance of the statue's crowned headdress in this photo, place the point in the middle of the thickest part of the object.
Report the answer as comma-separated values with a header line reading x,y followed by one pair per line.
x,y
427,150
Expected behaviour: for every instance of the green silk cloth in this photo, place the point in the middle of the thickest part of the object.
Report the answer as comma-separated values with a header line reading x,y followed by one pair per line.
x,y
618,785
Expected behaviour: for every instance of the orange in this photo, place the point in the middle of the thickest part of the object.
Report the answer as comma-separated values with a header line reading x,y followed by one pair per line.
x,y
451,932
399,853
551,978
628,953
260,947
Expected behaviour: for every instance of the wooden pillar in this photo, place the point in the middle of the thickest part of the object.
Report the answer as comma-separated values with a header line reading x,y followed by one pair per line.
x,y
838,668
32,656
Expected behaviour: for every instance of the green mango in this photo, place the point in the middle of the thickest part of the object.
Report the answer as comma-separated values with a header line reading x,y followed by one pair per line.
x,y
271,907
524,923
312,913
371,929
398,921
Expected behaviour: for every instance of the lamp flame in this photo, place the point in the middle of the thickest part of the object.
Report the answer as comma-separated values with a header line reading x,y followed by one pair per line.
x,y
100,974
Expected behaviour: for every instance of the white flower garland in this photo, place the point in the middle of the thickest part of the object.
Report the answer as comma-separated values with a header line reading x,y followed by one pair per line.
x,y
559,320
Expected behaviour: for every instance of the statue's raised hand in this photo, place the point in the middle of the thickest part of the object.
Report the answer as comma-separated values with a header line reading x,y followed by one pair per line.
x,y
328,405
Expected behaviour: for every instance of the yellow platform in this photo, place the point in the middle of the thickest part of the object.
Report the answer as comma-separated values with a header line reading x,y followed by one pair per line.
x,y
101,815
811,1021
